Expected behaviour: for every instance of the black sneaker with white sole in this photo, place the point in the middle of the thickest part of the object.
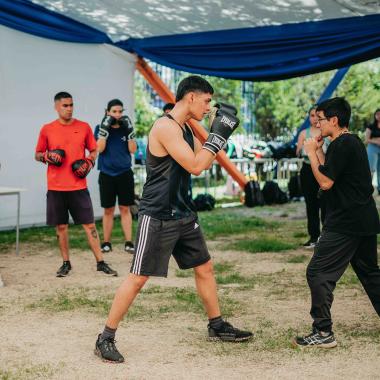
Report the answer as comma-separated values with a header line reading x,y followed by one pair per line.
x,y
318,339
228,333
106,247
102,266
129,247
107,351
64,270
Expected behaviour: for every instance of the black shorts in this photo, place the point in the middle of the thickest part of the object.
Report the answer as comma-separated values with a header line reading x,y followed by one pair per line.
x,y
157,240
61,203
121,186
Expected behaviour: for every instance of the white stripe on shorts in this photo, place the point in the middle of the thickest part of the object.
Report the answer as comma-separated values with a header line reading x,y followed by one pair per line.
x,y
141,244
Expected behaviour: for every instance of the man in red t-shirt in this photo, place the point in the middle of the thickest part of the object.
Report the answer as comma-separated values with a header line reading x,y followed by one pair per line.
x,y
62,146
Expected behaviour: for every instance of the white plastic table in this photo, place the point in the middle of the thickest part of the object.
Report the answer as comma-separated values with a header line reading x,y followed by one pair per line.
x,y
14,191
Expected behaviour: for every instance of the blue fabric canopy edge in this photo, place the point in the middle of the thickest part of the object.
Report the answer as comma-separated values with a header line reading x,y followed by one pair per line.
x,y
25,16
256,54
266,53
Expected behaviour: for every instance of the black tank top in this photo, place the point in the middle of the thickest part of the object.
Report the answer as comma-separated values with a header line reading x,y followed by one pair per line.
x,y
166,190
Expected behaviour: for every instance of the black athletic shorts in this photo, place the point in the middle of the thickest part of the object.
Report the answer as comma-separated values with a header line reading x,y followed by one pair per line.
x,y
157,240
121,186
61,203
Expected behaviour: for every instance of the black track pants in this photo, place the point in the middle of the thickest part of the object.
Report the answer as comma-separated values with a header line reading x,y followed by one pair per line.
x,y
332,254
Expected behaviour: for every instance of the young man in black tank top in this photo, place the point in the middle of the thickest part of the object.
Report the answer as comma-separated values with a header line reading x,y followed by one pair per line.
x,y
351,223
167,223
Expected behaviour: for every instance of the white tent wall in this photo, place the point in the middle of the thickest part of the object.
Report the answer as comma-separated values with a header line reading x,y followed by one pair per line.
x,y
32,71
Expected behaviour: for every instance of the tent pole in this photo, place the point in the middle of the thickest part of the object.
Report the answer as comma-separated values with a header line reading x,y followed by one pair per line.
x,y
167,96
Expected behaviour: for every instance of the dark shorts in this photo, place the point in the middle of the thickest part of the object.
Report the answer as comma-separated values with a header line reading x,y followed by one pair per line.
x,y
157,240
61,203
121,186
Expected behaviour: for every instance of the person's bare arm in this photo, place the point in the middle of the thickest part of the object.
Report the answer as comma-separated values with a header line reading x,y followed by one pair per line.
x,y
38,156
198,147
168,137
101,145
93,154
321,156
132,146
300,141
311,146
371,140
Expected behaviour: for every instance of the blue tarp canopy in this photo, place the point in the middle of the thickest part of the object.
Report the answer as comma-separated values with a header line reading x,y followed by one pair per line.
x,y
277,47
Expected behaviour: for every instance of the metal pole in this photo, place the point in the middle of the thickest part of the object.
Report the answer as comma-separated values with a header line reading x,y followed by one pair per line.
x,y
18,224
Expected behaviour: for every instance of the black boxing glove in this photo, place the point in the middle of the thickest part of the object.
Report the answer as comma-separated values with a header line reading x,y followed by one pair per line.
x,y
125,123
223,124
53,157
226,108
105,126
82,167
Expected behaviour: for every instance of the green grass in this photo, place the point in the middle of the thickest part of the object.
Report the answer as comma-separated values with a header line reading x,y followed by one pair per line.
x,y
34,372
223,267
298,259
218,223
46,236
224,275
348,279
236,278
38,235
181,273
154,302
300,234
359,331
263,244
224,222
66,300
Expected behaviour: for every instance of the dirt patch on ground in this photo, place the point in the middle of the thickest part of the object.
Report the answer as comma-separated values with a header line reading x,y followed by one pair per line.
x,y
49,324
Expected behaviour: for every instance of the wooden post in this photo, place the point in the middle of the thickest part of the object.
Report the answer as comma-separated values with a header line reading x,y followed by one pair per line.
x,y
167,96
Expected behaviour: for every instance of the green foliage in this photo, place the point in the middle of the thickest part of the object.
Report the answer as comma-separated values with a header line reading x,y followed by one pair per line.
x,y
281,107
361,88
145,113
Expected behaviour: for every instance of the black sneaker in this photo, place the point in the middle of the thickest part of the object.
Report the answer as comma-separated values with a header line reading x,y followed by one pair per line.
x,y
317,339
101,266
106,247
129,247
310,244
64,270
228,333
107,350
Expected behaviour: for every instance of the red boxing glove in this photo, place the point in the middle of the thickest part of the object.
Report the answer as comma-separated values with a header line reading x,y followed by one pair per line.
x,y
53,157
82,167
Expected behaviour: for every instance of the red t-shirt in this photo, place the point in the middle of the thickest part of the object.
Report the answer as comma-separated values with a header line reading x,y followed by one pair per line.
x,y
74,139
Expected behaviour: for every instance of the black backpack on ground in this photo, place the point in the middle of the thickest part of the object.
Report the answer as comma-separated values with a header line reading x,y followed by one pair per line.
x,y
253,195
295,187
204,202
273,194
